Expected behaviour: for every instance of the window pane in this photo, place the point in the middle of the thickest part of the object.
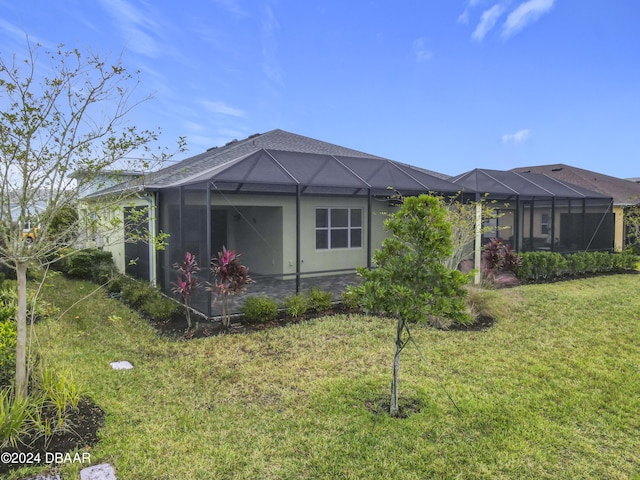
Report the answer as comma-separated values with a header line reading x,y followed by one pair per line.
x,y
339,217
322,239
322,217
339,238
356,217
356,237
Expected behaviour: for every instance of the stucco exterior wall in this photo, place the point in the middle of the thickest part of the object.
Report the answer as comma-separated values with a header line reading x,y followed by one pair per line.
x,y
113,239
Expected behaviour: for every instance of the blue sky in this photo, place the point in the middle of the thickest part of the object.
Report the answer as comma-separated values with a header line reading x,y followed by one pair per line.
x,y
448,85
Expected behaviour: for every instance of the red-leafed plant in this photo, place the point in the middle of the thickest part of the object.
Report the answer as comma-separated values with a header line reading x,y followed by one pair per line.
x,y
187,282
230,278
499,263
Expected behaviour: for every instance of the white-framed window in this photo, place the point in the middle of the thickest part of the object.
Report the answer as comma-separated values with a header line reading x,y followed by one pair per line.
x,y
338,228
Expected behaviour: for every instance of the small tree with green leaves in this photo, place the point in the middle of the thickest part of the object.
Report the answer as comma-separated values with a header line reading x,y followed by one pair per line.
x,y
62,126
411,282
462,216
632,225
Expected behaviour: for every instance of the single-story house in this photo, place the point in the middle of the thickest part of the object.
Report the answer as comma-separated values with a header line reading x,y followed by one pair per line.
x,y
295,208
302,211
625,193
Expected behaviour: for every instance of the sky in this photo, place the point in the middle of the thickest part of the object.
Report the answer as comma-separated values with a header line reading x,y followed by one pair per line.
x,y
447,85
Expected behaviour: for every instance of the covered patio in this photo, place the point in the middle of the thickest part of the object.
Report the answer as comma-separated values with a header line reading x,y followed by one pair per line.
x,y
539,212
299,218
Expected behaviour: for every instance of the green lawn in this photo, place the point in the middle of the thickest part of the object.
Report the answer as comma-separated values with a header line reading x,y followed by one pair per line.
x,y
551,391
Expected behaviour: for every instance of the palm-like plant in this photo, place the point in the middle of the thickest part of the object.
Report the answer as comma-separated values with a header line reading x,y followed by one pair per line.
x,y
230,278
187,282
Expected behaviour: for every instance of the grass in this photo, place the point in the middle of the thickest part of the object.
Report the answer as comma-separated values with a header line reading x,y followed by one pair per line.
x,y
551,391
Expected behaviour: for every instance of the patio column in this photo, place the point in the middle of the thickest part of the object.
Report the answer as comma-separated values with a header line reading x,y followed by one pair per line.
x,y
477,257
553,224
209,252
297,238
369,228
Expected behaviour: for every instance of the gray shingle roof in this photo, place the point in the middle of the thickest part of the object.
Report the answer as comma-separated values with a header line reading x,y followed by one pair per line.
x,y
624,192
522,184
282,158
212,159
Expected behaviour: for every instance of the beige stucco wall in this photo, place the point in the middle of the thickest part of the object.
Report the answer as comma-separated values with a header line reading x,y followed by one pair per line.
x,y
618,243
110,234
263,229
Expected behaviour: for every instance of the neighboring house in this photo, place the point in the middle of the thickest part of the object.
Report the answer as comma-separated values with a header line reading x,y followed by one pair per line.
x,y
539,212
300,210
624,193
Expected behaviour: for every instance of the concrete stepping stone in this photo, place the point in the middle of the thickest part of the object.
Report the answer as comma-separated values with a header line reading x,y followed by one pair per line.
x,y
103,471
121,365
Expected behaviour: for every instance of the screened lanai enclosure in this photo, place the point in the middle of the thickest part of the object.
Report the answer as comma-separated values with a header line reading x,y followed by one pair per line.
x,y
304,213
298,219
538,212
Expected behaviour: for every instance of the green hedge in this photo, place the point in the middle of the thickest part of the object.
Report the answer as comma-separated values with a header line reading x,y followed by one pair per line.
x,y
260,309
541,266
91,264
144,297
8,337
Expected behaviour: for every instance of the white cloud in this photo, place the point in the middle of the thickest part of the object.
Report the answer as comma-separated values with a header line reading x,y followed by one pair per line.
x,y
223,109
138,27
421,51
526,13
270,59
231,6
487,22
464,16
520,136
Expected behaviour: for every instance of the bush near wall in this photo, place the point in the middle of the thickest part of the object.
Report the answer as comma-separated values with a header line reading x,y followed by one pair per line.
x,y
144,297
91,264
545,266
260,309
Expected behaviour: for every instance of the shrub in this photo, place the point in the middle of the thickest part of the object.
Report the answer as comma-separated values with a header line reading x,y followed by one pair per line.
x,y
260,309
541,266
296,305
351,299
499,263
91,264
159,308
319,299
144,297
8,337
117,283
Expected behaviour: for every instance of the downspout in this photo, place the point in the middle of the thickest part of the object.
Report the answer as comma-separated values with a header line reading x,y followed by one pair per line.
x,y
369,228
150,198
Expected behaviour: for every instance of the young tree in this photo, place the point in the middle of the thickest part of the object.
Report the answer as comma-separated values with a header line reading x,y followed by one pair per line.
x,y
61,112
411,281
632,224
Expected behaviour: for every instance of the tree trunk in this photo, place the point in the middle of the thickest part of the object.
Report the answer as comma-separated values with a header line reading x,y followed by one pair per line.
x,y
394,409
21,340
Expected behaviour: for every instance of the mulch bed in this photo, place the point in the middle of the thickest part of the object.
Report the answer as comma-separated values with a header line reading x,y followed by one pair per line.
x,y
79,434
177,326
